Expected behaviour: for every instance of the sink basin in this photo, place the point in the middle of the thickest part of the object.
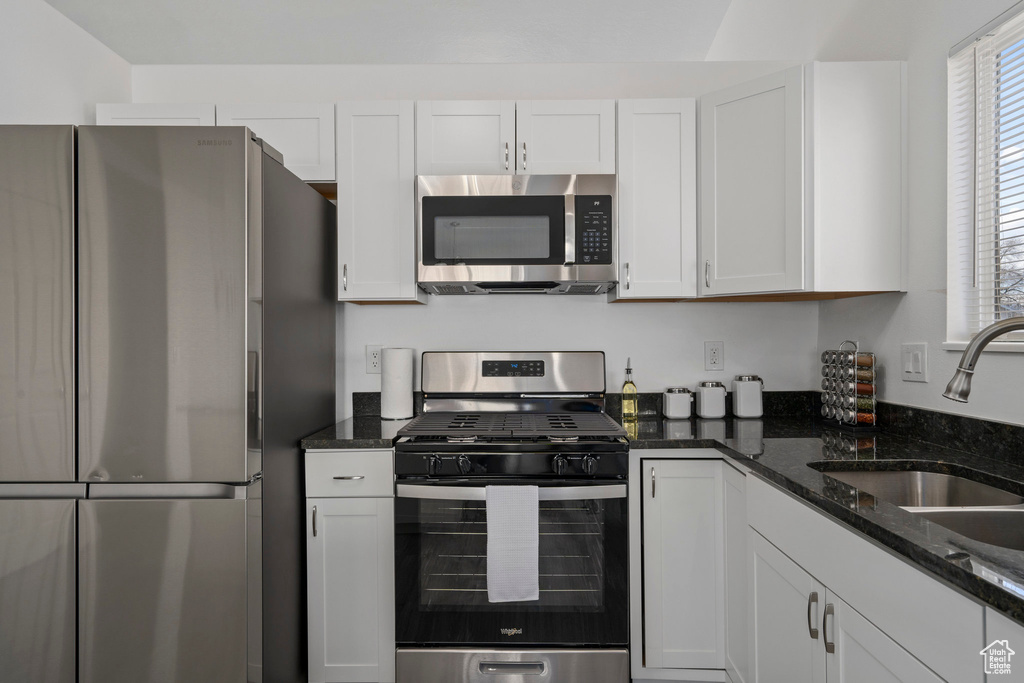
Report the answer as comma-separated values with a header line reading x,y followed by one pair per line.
x,y
1004,528
915,488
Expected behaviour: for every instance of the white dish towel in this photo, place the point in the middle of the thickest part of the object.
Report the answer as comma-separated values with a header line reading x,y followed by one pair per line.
x,y
513,542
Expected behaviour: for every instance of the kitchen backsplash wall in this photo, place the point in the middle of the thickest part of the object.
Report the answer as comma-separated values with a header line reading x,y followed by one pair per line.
x,y
777,341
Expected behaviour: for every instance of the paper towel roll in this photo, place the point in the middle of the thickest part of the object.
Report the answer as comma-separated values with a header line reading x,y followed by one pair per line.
x,y
396,384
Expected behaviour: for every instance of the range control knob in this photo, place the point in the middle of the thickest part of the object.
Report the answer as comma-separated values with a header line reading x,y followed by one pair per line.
x,y
464,464
589,465
434,465
559,465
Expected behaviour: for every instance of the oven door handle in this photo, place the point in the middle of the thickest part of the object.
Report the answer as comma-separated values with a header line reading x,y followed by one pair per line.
x,y
434,492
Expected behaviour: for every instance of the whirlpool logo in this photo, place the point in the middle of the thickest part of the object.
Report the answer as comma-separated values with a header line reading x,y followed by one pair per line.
x,y
511,631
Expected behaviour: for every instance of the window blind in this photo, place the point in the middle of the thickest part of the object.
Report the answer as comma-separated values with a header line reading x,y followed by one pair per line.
x,y
986,180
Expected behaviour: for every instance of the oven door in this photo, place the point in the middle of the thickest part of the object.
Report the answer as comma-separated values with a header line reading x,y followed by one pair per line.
x,y
441,567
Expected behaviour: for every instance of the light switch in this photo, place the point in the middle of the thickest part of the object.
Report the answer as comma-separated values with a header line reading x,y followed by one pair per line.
x,y
914,362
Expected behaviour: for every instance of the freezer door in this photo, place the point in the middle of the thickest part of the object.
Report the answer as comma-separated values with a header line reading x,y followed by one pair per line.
x,y
162,591
37,373
163,304
37,591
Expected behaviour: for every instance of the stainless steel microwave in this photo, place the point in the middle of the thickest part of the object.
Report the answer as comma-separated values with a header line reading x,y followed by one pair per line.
x,y
550,234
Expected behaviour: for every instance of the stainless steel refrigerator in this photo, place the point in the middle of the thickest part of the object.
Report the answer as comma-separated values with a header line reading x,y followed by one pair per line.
x,y
166,338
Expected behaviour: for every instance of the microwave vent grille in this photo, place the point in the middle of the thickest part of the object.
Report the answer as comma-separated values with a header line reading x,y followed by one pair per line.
x,y
450,289
584,289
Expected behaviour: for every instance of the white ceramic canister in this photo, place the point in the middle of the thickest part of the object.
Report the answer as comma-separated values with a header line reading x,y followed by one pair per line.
x,y
675,404
711,399
746,396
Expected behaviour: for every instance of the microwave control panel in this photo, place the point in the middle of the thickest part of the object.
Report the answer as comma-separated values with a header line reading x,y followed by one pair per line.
x,y
593,229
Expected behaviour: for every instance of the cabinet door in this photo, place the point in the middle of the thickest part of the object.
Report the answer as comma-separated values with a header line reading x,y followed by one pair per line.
x,y
155,115
863,653
737,625
1002,634
752,223
786,605
376,202
302,133
683,564
657,192
350,565
565,136
465,137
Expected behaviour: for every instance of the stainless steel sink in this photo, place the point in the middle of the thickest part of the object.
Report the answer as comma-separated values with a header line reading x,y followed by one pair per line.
x,y
915,488
1004,528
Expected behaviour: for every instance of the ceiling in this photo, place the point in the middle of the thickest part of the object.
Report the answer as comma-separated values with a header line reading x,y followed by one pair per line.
x,y
399,31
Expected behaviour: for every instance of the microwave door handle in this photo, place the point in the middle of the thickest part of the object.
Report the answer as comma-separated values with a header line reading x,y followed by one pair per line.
x,y
570,229
436,492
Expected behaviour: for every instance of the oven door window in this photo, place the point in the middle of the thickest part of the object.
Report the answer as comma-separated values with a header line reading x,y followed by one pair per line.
x,y
441,574
515,230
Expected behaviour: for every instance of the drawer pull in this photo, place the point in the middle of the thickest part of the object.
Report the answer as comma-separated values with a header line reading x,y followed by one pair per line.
x,y
351,478
314,520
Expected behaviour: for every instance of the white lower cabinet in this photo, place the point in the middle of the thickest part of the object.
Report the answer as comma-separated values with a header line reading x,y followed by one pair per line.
x,y
804,633
1000,660
682,565
350,575
785,617
892,622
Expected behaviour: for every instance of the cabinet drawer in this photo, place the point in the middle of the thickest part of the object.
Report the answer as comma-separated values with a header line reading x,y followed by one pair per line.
x,y
350,474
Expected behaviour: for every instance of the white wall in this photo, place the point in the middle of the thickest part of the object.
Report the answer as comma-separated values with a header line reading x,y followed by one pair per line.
x,y
920,315
52,71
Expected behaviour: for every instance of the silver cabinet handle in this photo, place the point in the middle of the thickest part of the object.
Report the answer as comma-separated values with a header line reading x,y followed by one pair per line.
x,y
812,599
314,520
652,483
830,611
506,156
524,156
707,274
627,275
356,478
344,277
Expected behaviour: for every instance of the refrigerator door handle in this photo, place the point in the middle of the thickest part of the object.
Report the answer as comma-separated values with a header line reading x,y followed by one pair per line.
x,y
157,491
23,491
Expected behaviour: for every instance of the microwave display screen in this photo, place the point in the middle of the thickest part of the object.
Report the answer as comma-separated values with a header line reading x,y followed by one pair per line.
x,y
471,238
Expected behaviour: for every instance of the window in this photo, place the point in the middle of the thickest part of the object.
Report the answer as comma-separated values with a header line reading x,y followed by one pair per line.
x,y
986,181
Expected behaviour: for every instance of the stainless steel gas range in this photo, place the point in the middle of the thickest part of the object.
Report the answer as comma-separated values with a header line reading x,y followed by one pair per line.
x,y
512,419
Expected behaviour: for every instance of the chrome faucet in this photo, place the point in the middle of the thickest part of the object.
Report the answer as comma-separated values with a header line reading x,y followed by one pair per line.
x,y
960,386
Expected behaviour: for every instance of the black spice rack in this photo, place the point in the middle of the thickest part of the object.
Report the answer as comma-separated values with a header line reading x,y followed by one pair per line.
x,y
848,387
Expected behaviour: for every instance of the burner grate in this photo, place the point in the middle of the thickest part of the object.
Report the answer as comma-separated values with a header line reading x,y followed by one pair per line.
x,y
520,425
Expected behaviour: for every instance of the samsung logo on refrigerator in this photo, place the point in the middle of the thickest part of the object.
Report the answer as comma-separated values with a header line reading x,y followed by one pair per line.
x,y
214,143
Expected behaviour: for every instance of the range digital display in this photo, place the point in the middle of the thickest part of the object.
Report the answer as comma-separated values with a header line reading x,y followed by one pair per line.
x,y
513,368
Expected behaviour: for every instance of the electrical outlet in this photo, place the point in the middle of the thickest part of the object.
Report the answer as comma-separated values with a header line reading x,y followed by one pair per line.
x,y
714,355
373,359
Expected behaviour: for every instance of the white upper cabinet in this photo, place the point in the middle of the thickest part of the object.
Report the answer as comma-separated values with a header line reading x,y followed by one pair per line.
x,y
302,133
564,137
502,137
169,114
465,137
376,203
657,195
802,182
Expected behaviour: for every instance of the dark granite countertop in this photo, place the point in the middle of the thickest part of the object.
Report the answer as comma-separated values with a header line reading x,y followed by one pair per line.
x,y
779,449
